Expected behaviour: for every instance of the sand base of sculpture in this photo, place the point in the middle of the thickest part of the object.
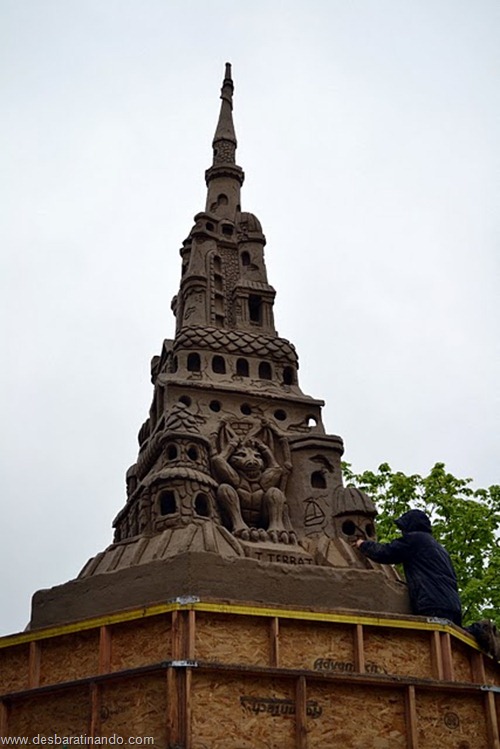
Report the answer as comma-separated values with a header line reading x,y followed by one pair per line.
x,y
205,674
203,559
290,578
252,645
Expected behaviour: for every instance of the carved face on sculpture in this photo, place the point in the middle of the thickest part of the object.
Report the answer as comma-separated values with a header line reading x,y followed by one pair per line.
x,y
248,461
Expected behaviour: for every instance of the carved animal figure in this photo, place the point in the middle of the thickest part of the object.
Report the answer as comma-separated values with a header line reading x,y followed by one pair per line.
x,y
249,493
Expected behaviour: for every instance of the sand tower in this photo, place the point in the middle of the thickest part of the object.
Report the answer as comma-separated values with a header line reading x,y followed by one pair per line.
x,y
230,610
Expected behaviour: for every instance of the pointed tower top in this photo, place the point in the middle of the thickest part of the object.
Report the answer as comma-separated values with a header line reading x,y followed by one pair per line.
x,y
224,178
225,127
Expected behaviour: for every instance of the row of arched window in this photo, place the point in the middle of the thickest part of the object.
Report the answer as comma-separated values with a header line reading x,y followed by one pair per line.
x,y
173,453
242,368
167,504
350,528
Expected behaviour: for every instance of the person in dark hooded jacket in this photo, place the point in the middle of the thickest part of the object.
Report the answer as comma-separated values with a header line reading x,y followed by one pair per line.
x,y
431,579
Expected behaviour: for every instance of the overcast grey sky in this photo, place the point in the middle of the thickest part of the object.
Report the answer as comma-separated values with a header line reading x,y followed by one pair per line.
x,y
368,131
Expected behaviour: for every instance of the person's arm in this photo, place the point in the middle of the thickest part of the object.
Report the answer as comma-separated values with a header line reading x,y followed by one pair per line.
x,y
394,553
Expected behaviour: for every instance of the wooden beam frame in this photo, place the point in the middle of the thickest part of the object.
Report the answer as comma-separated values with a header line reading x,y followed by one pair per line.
x,y
301,713
477,668
411,718
104,649
35,657
4,719
359,649
274,642
436,655
172,712
178,688
95,709
190,637
492,720
447,657
180,670
244,609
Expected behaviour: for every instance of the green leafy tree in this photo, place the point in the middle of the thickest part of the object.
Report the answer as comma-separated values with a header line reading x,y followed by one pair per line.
x,y
465,521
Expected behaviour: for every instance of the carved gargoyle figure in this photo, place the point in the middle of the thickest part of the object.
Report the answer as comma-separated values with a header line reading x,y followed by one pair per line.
x,y
249,494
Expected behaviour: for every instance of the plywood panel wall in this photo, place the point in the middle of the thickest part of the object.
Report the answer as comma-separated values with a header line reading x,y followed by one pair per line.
x,y
64,714
136,644
232,639
451,722
399,652
357,718
68,657
135,708
242,713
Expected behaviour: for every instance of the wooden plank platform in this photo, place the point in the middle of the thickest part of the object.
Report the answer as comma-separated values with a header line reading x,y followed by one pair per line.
x,y
196,674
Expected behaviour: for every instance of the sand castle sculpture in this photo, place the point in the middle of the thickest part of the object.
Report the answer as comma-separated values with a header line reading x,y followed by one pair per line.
x,y
230,608
237,491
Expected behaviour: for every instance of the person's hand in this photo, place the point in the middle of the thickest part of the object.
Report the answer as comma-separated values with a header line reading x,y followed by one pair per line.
x,y
358,542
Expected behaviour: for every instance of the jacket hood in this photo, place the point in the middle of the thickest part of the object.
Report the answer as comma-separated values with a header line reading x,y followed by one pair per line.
x,y
414,520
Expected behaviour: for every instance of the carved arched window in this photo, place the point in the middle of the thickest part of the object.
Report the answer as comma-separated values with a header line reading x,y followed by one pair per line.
x,y
219,365
168,504
242,367
349,527
255,308
160,402
265,371
172,452
192,452
318,480
201,505
288,376
194,363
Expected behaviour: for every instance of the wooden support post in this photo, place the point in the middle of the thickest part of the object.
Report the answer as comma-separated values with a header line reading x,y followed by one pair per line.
x,y
274,642
359,649
172,711
34,664
95,710
188,674
436,656
178,712
191,634
477,667
411,718
492,721
183,635
176,636
448,674
4,719
301,714
104,650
